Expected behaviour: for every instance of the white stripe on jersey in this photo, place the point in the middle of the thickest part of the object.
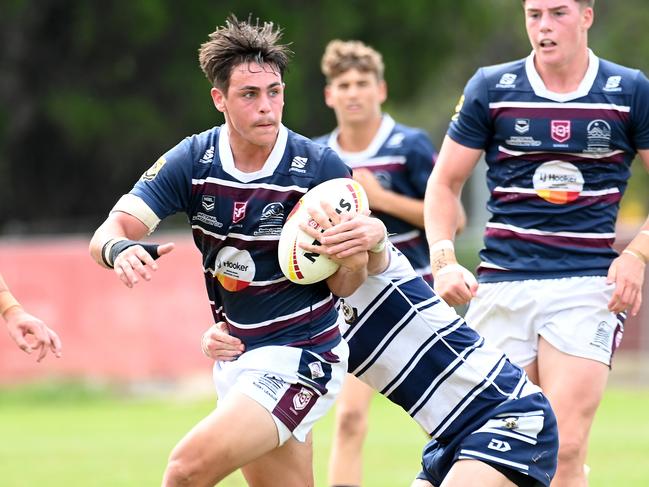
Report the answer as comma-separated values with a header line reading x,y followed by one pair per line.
x,y
303,311
581,155
404,237
533,231
237,236
489,265
235,184
512,189
382,161
567,105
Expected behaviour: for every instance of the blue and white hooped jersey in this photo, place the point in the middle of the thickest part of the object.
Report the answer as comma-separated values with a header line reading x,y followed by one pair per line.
x,y
408,344
558,165
236,220
401,158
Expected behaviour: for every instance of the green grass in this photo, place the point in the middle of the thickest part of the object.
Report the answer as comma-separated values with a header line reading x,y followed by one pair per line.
x,y
87,438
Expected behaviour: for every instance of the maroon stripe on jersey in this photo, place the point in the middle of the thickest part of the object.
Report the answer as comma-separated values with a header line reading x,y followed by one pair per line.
x,y
281,324
388,166
321,339
243,194
551,240
410,243
488,270
506,197
294,405
609,115
548,156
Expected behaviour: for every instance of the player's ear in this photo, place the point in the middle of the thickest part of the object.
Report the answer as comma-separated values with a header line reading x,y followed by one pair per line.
x,y
327,96
383,90
218,97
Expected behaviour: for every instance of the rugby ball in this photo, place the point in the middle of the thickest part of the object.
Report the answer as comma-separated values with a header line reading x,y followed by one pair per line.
x,y
298,265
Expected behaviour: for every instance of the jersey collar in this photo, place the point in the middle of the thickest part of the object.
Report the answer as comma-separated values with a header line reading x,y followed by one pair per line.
x,y
385,129
274,158
584,87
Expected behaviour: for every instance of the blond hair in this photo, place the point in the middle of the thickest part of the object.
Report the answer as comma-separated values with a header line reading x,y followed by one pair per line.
x,y
341,56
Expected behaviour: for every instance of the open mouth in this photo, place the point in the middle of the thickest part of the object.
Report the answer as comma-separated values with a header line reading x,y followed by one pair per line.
x,y
547,43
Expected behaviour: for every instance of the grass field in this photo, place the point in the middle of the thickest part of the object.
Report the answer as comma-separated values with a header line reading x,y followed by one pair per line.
x,y
69,437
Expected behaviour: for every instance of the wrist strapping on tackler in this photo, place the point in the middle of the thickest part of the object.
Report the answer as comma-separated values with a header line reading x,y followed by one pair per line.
x,y
112,248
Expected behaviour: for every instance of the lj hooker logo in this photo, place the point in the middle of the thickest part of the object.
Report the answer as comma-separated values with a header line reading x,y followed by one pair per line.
x,y
234,269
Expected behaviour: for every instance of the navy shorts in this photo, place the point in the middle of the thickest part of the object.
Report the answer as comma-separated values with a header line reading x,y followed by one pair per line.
x,y
519,438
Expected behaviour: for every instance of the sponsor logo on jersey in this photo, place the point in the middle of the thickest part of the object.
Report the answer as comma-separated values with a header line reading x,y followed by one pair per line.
x,y
234,268
239,211
522,125
458,108
316,370
207,219
613,83
507,80
523,141
560,130
298,164
384,178
271,219
153,171
603,336
499,445
598,133
208,157
207,201
270,385
558,182
350,314
302,398
396,140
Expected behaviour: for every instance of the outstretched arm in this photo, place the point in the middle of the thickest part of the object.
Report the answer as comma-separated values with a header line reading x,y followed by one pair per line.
x,y
21,324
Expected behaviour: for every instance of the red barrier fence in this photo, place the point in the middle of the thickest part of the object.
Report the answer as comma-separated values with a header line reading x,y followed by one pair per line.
x,y
110,332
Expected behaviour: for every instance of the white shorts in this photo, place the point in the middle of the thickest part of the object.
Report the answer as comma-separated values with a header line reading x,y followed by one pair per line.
x,y
296,386
570,313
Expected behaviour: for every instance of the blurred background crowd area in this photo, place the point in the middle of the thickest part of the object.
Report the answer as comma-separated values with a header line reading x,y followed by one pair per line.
x,y
91,94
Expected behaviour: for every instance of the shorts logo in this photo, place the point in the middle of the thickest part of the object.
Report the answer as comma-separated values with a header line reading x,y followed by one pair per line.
x,y
208,202
302,399
499,445
239,211
316,370
560,130
603,336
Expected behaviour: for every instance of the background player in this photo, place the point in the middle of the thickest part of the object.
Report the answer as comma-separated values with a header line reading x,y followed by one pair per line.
x,y
237,184
487,420
21,324
393,163
559,130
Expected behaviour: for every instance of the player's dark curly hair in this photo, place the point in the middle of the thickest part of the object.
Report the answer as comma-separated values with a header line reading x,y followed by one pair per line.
x,y
239,42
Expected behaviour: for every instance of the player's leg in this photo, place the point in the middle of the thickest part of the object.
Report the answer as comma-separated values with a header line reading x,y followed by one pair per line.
x,y
237,432
575,387
290,465
352,408
465,472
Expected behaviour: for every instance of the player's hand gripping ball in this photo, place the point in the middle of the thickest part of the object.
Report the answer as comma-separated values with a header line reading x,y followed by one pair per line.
x,y
299,266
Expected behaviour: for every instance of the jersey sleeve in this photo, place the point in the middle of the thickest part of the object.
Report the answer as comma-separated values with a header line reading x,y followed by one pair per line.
x,y
420,161
640,113
471,125
331,167
165,188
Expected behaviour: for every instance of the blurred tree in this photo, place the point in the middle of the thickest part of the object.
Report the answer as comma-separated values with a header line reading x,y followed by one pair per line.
x,y
91,93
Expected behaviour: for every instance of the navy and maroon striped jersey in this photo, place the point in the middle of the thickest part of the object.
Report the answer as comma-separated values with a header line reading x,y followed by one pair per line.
x,y
558,165
401,158
236,220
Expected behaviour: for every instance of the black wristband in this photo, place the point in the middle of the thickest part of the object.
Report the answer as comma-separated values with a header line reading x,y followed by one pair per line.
x,y
121,245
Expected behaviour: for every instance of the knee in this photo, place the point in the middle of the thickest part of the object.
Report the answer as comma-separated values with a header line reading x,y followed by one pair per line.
x,y
571,452
179,473
352,423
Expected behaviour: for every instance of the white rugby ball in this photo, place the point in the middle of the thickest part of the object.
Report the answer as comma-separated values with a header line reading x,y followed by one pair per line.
x,y
298,265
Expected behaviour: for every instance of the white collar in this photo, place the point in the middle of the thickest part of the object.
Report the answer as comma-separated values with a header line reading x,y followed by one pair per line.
x,y
584,87
274,158
385,129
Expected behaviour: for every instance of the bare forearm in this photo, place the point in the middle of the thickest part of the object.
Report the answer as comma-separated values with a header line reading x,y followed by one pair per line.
x,y
346,281
441,212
